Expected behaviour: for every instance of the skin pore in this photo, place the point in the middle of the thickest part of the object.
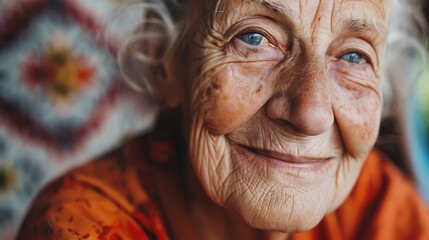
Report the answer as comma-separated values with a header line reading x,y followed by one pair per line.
x,y
285,106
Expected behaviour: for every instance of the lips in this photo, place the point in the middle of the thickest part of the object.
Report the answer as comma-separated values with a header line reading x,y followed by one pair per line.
x,y
288,160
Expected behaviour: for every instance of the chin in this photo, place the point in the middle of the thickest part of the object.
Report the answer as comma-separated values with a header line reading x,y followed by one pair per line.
x,y
292,214
270,190
277,198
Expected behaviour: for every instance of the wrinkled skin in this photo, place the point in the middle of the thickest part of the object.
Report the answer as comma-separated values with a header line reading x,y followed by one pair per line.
x,y
280,130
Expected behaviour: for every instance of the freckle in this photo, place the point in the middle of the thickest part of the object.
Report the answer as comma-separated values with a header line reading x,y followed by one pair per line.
x,y
318,19
209,74
258,90
216,86
212,71
254,50
208,92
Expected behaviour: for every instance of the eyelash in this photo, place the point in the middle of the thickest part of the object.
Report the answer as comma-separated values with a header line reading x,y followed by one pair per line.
x,y
360,52
272,41
263,32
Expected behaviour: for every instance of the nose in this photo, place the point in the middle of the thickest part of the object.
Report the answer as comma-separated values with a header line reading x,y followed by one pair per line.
x,y
305,105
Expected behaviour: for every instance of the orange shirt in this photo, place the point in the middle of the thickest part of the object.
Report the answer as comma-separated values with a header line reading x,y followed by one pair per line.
x,y
115,198
383,205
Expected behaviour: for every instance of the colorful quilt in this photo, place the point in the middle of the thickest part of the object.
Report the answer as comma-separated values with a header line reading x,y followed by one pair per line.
x,y
62,100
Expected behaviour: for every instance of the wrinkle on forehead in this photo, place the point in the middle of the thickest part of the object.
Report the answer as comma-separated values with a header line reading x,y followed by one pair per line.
x,y
371,14
356,25
278,6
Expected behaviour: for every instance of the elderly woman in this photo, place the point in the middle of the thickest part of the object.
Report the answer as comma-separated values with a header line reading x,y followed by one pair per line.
x,y
270,112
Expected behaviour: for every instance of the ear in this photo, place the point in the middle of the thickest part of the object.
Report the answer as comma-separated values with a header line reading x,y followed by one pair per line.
x,y
143,56
168,87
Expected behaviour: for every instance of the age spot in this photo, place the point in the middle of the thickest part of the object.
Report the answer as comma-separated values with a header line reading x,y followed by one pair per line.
x,y
208,92
215,86
258,90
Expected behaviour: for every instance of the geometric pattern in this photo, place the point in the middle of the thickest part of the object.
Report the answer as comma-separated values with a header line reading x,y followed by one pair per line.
x,y
62,100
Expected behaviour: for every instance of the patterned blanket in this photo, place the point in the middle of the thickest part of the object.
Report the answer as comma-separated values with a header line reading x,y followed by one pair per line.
x,y
62,100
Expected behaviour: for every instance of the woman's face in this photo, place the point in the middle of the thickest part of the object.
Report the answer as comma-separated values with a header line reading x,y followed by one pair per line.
x,y
285,105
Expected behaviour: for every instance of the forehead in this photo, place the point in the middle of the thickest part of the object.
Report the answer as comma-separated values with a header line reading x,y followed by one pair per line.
x,y
301,7
330,13
304,6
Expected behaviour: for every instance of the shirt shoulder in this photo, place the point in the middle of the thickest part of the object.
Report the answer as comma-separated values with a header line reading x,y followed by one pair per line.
x,y
384,204
394,206
110,198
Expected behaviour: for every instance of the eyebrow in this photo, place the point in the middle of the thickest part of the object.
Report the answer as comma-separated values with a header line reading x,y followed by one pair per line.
x,y
362,25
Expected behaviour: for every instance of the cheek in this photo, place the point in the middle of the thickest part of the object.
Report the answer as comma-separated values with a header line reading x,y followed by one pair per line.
x,y
357,109
232,96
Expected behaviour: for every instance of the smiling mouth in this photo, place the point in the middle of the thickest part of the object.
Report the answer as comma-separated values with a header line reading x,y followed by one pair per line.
x,y
281,160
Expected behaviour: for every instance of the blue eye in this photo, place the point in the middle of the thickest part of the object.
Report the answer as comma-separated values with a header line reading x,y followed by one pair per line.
x,y
353,57
252,38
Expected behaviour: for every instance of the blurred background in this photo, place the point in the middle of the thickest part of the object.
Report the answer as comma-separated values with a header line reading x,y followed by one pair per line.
x,y
417,124
63,102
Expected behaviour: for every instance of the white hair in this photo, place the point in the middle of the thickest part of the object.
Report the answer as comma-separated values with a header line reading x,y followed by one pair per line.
x,y
405,62
406,55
